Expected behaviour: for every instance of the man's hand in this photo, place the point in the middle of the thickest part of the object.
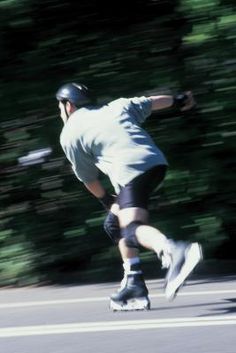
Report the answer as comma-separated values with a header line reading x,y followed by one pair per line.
x,y
189,103
107,201
97,189
115,209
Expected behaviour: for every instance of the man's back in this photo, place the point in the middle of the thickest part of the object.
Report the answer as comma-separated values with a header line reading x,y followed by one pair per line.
x,y
111,137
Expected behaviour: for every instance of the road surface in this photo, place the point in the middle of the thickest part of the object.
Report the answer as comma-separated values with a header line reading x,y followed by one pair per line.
x,y
76,319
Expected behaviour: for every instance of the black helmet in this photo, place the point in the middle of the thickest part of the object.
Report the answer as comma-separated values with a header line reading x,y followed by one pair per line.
x,y
77,94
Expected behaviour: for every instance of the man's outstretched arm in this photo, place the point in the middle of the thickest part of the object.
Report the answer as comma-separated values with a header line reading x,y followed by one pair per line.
x,y
183,101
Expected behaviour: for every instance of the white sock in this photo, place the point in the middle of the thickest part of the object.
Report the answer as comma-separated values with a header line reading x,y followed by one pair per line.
x,y
165,253
128,263
132,261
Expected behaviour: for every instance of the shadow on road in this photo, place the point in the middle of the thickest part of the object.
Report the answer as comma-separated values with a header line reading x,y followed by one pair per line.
x,y
170,307
223,310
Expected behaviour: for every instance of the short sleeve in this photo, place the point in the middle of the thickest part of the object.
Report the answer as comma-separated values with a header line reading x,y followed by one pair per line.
x,y
140,108
82,163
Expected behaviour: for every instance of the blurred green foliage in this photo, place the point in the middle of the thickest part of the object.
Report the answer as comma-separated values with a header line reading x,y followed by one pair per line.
x,y
50,228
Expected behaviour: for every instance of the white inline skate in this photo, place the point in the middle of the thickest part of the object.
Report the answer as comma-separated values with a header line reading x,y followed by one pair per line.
x,y
183,258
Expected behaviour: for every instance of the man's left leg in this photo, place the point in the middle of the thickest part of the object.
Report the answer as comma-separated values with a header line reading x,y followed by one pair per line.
x,y
131,265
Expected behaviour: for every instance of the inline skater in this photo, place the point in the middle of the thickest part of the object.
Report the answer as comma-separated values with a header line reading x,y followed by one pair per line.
x,y
110,139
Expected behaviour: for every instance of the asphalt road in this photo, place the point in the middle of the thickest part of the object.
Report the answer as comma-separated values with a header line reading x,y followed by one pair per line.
x,y
76,319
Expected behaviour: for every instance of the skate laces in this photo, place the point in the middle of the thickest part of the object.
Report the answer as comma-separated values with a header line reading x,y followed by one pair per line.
x,y
124,279
127,271
166,259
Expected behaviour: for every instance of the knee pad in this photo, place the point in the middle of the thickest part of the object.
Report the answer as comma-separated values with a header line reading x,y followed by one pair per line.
x,y
112,228
129,234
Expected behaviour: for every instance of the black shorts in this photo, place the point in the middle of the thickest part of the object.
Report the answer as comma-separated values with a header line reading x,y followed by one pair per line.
x,y
137,192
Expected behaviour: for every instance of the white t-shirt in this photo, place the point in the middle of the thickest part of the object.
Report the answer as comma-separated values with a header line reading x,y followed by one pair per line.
x,y
110,138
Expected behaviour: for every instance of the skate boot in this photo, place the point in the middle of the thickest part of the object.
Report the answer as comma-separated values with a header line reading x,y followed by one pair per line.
x,y
133,294
181,261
